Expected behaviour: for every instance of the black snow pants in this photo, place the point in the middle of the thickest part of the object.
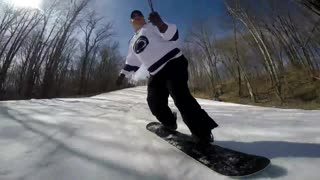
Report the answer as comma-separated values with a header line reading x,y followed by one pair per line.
x,y
173,80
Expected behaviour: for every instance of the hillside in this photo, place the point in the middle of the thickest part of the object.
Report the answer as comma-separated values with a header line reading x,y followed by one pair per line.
x,y
104,137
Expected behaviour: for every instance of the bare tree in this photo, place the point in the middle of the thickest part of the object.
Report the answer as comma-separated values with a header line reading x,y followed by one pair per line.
x,y
40,51
20,29
259,38
237,58
204,38
94,34
55,56
313,5
108,67
36,51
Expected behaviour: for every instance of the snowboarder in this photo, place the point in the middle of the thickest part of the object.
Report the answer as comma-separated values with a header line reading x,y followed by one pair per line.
x,y
154,46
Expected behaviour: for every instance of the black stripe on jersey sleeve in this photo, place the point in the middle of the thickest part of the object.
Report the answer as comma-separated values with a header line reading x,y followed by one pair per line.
x,y
130,68
175,37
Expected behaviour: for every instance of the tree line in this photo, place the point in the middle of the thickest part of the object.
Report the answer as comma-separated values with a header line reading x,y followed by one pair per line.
x,y
65,49
262,41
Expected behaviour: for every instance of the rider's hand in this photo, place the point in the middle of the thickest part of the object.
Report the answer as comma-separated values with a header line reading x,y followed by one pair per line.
x,y
156,20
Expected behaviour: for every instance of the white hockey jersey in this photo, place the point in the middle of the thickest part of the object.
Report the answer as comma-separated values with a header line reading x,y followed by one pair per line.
x,y
152,48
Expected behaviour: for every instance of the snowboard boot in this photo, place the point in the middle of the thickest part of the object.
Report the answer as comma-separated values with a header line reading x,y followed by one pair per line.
x,y
174,126
204,140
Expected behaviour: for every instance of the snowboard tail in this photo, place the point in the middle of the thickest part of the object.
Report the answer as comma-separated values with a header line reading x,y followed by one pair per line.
x,y
222,160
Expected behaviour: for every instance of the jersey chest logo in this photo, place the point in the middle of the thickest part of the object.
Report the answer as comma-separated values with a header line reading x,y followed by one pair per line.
x,y
140,44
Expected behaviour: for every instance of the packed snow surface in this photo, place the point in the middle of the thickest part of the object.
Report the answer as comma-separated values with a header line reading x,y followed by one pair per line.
x,y
104,138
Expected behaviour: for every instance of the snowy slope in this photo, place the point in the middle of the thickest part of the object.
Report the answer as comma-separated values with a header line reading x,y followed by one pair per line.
x,y
104,137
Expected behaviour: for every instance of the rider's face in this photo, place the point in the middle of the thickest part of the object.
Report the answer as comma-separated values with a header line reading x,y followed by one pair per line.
x,y
137,22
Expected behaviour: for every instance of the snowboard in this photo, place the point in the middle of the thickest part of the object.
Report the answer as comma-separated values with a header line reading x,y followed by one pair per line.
x,y
222,160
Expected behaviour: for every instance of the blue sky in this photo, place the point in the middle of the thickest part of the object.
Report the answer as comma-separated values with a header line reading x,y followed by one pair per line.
x,y
180,12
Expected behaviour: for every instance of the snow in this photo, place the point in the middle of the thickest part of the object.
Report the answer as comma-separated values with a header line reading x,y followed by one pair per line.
x,y
104,137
